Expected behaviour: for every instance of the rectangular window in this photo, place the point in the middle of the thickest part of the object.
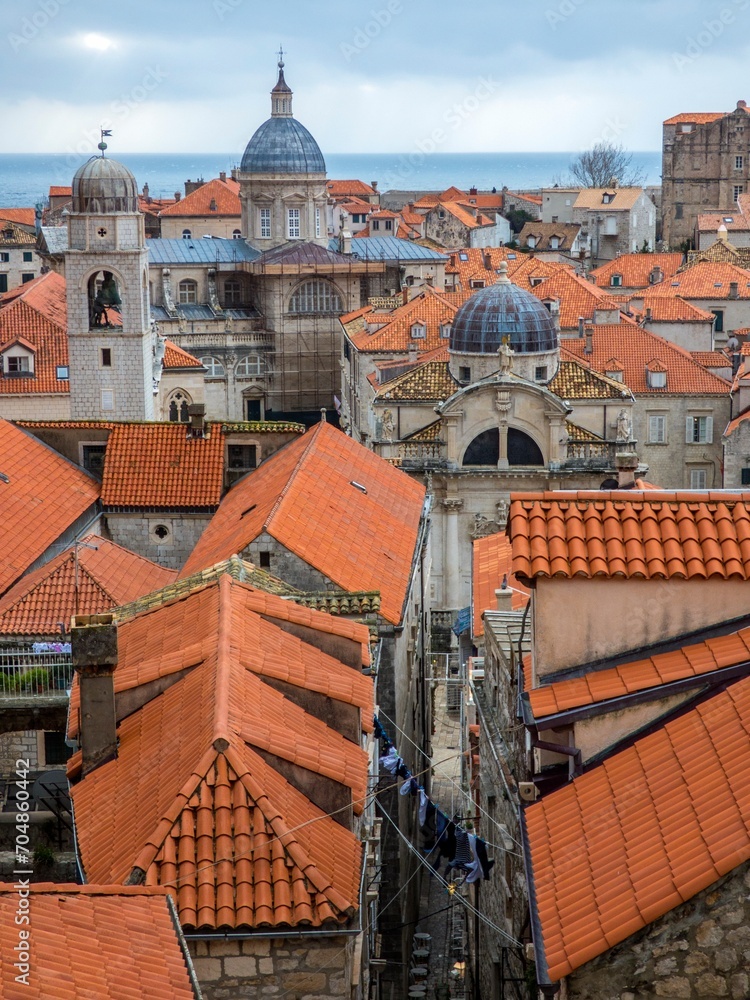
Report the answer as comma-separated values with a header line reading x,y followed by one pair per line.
x,y
738,162
28,256
264,560
293,223
4,257
737,190
27,277
92,457
540,373
745,474
465,374
62,372
56,751
242,456
317,222
265,223
3,282
18,365
657,428
389,223
719,321
697,479
699,430
678,210
106,357
108,400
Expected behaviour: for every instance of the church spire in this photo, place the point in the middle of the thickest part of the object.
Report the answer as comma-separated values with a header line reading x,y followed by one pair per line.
x,y
281,95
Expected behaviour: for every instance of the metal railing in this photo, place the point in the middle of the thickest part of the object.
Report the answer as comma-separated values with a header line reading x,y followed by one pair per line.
x,y
26,674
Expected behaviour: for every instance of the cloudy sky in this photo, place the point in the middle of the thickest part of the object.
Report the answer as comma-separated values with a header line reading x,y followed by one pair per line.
x,y
372,76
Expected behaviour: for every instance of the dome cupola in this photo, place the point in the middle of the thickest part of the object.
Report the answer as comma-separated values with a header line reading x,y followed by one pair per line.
x,y
104,187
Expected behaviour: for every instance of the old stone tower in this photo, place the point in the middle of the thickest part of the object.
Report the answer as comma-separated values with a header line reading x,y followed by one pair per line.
x,y
111,344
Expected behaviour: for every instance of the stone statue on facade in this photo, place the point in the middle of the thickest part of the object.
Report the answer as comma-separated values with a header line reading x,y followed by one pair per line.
x,y
389,426
623,427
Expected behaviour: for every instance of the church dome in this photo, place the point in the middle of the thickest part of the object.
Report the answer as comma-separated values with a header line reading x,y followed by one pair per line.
x,y
103,186
282,146
499,311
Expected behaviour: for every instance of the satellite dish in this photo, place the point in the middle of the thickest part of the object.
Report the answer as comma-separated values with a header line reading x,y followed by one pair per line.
x,y
51,793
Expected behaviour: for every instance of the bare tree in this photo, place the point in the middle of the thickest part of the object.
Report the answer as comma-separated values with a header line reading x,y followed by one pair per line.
x,y
605,165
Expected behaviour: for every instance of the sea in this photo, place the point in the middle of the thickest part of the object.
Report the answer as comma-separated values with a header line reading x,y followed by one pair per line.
x,y
25,178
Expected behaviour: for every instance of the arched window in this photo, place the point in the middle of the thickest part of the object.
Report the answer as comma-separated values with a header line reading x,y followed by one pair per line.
x,y
523,450
236,234
484,449
250,364
105,304
178,407
316,296
214,367
186,234
187,292
232,292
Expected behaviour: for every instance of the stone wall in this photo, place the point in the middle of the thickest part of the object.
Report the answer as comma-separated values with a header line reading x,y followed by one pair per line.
x,y
314,967
736,450
698,951
137,532
22,745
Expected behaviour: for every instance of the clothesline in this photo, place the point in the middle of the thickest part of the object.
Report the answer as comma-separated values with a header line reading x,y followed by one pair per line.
x,y
462,848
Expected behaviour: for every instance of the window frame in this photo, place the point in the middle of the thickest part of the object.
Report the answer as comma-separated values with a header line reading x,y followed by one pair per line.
x,y
294,223
214,366
657,420
264,223
186,288
243,367
699,428
315,297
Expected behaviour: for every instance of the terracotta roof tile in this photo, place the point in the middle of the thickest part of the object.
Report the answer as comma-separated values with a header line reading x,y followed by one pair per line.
x,y
107,575
431,380
492,561
430,308
224,194
706,280
575,380
623,198
202,812
341,189
658,535
43,496
108,942
37,312
159,465
303,496
695,117
22,216
672,309
636,269
645,831
175,357
636,348
577,297
599,686
11,234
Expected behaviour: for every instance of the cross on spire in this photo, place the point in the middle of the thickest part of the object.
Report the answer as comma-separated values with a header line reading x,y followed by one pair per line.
x,y
281,57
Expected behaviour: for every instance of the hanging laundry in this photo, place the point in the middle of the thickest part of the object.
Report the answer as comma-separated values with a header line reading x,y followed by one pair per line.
x,y
391,761
409,787
428,828
463,856
481,853
423,803
475,868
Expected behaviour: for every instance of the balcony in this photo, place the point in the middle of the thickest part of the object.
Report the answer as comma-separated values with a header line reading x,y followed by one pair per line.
x,y
34,688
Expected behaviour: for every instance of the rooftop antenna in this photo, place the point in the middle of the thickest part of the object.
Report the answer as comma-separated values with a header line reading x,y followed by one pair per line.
x,y
102,144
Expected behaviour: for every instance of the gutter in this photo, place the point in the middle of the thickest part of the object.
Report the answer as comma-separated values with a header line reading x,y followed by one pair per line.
x,y
270,935
547,987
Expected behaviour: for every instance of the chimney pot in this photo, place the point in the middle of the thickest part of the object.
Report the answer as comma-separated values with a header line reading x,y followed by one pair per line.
x,y
734,290
197,415
626,464
222,175
94,653
589,346
580,326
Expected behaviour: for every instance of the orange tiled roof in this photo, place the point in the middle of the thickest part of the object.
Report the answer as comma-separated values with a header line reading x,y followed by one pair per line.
x,y
706,280
225,195
712,359
21,216
624,198
636,348
464,216
672,309
60,191
103,941
430,380
642,833
106,575
696,660
175,357
205,811
636,268
661,535
44,495
159,465
340,189
430,308
492,561
303,496
577,296
37,312
695,117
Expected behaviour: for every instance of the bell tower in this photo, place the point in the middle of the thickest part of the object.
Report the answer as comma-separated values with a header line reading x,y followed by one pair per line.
x,y
112,348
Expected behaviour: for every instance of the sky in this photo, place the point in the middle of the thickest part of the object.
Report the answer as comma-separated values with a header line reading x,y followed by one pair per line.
x,y
374,76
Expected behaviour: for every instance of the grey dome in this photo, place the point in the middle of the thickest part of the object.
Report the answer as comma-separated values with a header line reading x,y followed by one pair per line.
x,y
503,310
102,186
282,146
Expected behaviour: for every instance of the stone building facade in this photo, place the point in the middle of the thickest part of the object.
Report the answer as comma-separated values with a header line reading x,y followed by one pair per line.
x,y
705,166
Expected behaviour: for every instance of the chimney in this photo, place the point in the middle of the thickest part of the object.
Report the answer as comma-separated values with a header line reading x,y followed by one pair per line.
x,y
177,196
487,261
734,290
145,191
626,464
197,414
589,345
647,317
741,104
222,175
472,191
580,326
374,185
94,652
413,354
504,596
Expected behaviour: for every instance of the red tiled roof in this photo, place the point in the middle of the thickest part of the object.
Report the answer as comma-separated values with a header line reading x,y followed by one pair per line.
x,y
205,811
695,117
636,348
37,312
159,465
60,191
175,357
626,842
430,308
225,194
304,497
672,309
577,296
106,941
340,189
44,495
105,576
660,535
492,561
636,268
711,359
706,280
21,216
696,660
